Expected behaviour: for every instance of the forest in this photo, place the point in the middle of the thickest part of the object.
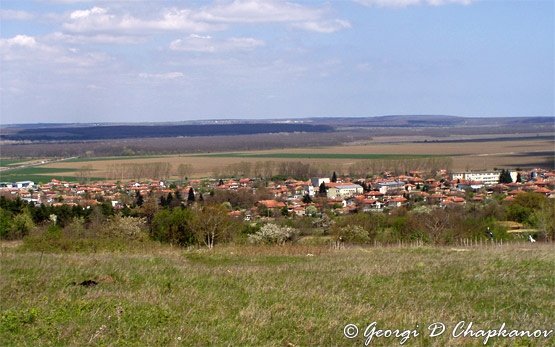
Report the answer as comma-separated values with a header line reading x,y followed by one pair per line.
x,y
149,131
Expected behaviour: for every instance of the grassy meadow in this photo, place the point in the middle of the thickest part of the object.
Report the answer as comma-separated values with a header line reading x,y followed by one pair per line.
x,y
272,296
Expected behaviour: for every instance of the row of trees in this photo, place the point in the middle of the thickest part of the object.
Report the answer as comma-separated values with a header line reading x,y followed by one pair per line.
x,y
270,169
302,170
138,171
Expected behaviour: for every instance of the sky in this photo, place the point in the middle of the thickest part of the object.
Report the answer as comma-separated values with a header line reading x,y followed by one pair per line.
x,y
124,61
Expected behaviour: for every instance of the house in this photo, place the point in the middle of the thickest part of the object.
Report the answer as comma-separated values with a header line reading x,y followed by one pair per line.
x,y
369,205
271,204
397,201
344,191
383,187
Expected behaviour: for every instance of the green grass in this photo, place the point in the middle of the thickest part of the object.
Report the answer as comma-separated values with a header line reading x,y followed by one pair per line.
x,y
272,296
39,174
318,155
8,162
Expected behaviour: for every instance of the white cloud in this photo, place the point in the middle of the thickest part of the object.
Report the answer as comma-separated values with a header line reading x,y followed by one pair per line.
x,y
257,11
199,43
99,19
162,76
20,40
86,13
27,49
324,27
406,3
101,38
15,15
209,18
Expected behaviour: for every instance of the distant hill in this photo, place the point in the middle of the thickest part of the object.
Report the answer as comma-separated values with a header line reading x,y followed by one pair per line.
x,y
428,121
148,131
229,127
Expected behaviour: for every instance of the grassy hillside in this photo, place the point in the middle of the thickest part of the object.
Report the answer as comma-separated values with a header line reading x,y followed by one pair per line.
x,y
273,296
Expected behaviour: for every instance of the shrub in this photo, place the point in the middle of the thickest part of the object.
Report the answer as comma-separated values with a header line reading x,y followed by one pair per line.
x,y
352,234
272,234
5,223
21,225
128,228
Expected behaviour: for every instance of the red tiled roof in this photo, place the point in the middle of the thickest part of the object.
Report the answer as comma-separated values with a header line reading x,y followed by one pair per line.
x,y
272,203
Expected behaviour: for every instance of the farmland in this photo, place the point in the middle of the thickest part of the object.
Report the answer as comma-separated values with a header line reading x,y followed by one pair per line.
x,y
289,295
9,162
37,174
470,155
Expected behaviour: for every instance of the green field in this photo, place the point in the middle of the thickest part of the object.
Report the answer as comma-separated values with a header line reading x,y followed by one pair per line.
x,y
318,155
273,296
38,174
8,162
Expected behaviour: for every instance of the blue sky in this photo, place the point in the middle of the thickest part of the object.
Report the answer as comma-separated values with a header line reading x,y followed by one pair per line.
x,y
89,61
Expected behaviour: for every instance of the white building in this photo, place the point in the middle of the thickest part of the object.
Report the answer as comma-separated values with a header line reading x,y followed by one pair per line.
x,y
488,178
383,187
316,181
344,191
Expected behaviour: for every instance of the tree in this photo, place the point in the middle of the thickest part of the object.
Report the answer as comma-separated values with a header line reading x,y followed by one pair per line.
x,y
184,171
173,226
191,196
139,201
22,224
307,199
505,177
5,223
334,177
149,209
322,190
211,224
169,199
178,196
518,177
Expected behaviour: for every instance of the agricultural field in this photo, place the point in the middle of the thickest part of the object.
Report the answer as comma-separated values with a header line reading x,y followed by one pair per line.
x,y
39,174
279,296
8,162
468,155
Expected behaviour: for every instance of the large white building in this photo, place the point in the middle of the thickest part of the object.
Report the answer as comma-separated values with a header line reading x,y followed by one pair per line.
x,y
344,191
488,178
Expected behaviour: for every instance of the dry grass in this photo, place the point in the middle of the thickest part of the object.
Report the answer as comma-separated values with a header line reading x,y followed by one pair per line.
x,y
272,296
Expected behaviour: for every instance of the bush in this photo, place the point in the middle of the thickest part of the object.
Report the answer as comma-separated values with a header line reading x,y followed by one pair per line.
x,y
116,234
352,234
21,225
272,234
5,223
128,228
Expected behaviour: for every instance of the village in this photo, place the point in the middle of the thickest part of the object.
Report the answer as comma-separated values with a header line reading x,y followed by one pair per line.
x,y
341,194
